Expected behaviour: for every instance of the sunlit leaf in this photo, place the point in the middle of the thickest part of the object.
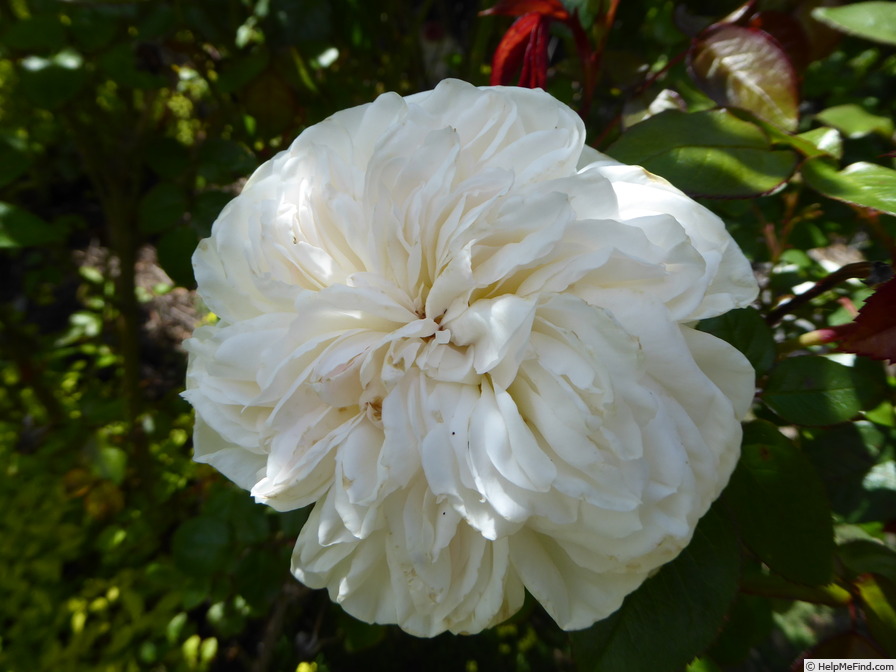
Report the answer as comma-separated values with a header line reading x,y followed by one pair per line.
x,y
811,390
50,82
865,184
780,508
746,68
827,141
855,122
870,20
878,596
679,610
710,153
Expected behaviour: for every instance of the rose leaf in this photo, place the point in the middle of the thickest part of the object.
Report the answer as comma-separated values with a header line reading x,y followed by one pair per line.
x,y
873,332
679,610
865,184
710,153
812,391
746,68
779,505
871,20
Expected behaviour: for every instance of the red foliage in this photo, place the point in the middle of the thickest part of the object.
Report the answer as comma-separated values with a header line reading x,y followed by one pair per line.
x,y
873,332
547,8
524,47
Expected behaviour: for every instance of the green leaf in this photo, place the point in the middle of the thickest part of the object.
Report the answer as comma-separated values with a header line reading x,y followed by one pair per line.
x,y
678,611
175,250
92,29
747,625
811,390
855,122
120,63
863,556
19,228
745,67
823,141
161,208
843,456
865,184
14,161
703,665
871,20
201,545
50,82
221,161
360,636
35,33
207,207
747,331
167,157
710,153
108,462
259,575
238,72
779,505
878,597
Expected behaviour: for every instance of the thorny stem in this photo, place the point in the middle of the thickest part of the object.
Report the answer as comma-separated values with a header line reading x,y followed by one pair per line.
x,y
872,272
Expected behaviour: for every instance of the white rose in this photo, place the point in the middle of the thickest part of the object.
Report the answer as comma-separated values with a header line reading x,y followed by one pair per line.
x,y
468,340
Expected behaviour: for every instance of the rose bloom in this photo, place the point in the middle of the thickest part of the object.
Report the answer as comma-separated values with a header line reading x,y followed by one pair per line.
x,y
468,340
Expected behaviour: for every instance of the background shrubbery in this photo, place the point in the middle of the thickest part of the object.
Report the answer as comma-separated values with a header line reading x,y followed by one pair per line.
x,y
126,126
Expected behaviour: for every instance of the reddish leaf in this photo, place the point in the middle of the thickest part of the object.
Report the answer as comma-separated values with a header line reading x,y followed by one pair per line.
x,y
873,332
551,8
788,33
523,45
822,39
535,61
746,68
